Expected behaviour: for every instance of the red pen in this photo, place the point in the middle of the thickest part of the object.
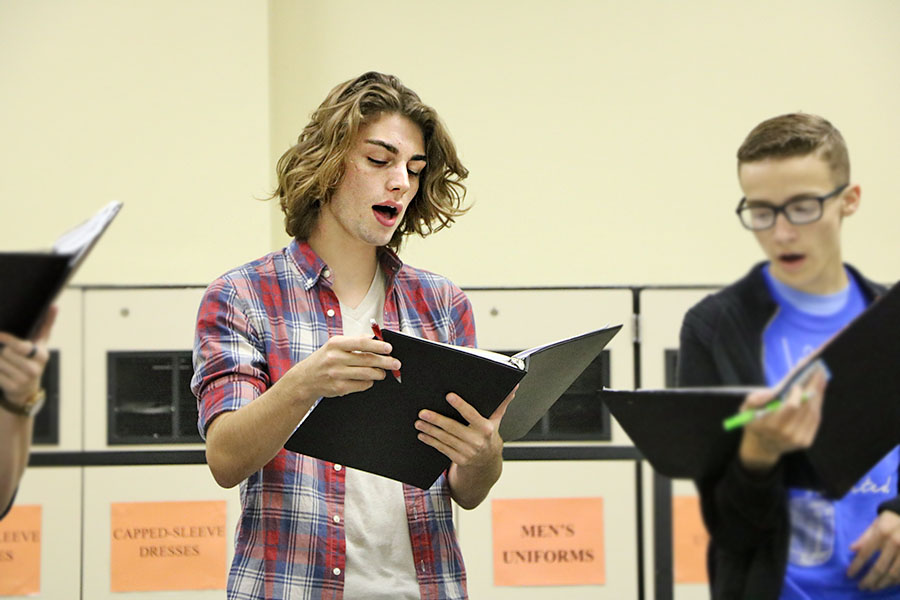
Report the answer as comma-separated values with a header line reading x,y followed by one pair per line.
x,y
377,331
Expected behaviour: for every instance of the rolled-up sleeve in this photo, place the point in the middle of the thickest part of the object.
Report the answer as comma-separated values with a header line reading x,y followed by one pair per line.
x,y
229,359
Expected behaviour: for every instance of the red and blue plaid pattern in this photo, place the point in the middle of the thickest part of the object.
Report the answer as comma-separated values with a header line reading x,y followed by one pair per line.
x,y
254,323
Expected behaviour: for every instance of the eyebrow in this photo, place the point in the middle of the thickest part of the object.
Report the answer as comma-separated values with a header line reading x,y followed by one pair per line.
x,y
800,196
393,149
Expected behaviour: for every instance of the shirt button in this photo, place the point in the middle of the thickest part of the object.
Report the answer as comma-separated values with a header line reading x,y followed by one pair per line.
x,y
330,312
337,518
338,467
326,273
336,571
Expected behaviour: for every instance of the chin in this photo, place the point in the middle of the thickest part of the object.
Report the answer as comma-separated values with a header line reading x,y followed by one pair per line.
x,y
379,240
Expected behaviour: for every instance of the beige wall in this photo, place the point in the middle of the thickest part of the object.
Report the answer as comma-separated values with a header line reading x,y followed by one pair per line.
x,y
161,104
601,135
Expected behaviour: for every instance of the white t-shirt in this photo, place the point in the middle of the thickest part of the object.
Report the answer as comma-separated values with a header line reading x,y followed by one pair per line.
x,y
379,552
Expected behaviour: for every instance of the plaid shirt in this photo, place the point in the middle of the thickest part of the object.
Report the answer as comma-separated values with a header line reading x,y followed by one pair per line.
x,y
254,323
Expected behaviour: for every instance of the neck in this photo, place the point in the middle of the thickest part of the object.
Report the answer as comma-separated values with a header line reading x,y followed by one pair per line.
x,y
352,265
830,282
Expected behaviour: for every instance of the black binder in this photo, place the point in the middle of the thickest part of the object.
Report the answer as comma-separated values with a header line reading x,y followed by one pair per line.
x,y
31,281
374,430
680,431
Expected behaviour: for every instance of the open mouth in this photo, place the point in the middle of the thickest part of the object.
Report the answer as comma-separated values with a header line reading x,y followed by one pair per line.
x,y
389,212
791,258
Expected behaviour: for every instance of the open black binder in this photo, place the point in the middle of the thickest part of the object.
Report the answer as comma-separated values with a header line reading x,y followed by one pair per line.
x,y
31,281
374,430
679,431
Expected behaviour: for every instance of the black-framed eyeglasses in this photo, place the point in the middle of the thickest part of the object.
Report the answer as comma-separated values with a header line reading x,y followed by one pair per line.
x,y
798,211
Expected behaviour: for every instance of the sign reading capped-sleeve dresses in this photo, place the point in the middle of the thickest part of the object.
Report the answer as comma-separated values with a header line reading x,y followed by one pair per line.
x,y
164,546
20,551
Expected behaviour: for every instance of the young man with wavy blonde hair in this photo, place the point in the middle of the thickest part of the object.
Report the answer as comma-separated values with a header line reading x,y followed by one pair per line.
x,y
276,335
309,172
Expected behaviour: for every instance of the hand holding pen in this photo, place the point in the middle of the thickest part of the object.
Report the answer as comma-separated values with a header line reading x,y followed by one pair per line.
x,y
802,379
784,424
377,331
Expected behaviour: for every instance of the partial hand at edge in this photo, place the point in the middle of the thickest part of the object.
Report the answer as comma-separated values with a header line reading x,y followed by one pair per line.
x,y
20,374
882,537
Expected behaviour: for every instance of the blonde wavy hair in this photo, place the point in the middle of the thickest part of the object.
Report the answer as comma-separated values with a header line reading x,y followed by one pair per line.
x,y
310,171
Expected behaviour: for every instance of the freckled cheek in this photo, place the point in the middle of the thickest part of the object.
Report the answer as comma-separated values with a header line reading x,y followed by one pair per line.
x,y
413,190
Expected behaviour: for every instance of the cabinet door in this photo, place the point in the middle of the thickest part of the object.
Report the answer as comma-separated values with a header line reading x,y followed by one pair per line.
x,y
513,320
611,481
662,312
673,542
105,487
147,336
55,494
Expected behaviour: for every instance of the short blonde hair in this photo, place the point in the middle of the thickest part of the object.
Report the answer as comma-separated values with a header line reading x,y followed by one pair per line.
x,y
310,171
798,134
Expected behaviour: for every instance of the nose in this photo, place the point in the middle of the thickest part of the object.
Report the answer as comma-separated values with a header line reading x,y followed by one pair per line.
x,y
398,180
783,230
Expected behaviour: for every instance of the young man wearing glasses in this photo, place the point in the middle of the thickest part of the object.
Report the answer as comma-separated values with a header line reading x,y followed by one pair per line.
x,y
770,541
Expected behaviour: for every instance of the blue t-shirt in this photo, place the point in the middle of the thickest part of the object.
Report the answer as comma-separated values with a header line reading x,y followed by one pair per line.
x,y
821,529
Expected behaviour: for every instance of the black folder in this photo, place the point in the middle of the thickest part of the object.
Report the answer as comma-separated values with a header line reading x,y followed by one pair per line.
x,y
374,430
680,432
31,281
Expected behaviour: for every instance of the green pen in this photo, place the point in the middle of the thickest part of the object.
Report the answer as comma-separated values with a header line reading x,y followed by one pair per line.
x,y
742,418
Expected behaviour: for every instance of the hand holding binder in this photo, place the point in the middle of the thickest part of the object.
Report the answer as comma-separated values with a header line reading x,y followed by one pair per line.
x,y
374,430
786,424
749,415
474,445
680,430
31,281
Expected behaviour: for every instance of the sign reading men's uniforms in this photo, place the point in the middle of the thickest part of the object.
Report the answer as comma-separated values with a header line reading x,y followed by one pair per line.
x,y
548,541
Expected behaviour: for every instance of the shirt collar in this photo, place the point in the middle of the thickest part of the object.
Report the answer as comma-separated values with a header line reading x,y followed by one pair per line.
x,y
312,268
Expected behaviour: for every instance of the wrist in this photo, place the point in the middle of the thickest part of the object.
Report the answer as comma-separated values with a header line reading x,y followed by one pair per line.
x,y
27,407
756,456
294,394
489,468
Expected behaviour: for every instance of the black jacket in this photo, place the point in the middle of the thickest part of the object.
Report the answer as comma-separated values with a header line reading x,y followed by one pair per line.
x,y
747,517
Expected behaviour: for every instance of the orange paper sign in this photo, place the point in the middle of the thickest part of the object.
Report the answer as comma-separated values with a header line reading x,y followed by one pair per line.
x,y
548,541
20,551
164,546
689,539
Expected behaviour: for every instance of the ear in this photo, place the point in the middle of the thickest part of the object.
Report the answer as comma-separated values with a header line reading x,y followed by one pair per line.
x,y
850,200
